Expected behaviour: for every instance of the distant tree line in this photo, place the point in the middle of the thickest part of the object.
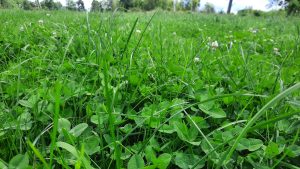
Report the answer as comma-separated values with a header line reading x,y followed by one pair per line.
x,y
101,5
44,4
291,6
145,5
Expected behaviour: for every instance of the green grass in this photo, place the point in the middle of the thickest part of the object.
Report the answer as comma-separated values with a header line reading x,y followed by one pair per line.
x,y
148,90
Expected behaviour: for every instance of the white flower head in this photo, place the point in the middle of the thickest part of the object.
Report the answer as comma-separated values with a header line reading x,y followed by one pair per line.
x,y
276,51
138,31
230,45
215,44
196,59
22,29
48,14
253,30
41,21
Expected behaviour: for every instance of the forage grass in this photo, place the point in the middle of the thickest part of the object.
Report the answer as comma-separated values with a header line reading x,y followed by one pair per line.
x,y
148,89
271,103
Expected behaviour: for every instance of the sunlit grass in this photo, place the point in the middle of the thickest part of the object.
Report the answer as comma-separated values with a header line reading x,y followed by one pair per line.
x,y
156,90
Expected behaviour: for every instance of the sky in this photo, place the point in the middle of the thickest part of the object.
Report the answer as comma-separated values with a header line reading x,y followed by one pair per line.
x,y
238,4
219,4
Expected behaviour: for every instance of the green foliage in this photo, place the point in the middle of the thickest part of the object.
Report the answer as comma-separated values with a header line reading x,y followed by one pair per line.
x,y
291,6
19,161
71,5
95,6
128,90
209,8
249,12
136,162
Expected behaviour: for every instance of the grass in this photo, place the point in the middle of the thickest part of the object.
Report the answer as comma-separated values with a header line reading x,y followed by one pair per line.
x,y
148,90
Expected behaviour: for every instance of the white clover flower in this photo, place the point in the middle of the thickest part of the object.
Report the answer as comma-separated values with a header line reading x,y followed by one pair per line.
x,y
40,21
230,45
138,31
215,44
22,29
252,30
196,59
48,14
276,51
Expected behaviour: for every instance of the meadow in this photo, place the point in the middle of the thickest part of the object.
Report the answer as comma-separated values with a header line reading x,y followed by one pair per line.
x,y
148,90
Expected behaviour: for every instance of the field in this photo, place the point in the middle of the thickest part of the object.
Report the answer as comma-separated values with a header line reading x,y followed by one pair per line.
x,y
148,90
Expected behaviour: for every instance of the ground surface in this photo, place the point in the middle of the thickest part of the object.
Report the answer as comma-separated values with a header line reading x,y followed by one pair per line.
x,y
176,91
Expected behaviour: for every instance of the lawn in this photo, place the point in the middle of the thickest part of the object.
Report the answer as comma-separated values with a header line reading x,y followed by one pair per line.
x,y
148,90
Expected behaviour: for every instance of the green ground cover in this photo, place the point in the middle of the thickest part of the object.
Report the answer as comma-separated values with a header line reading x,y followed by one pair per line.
x,y
145,90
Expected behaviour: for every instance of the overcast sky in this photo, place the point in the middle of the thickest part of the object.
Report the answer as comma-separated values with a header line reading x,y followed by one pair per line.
x,y
219,4
238,4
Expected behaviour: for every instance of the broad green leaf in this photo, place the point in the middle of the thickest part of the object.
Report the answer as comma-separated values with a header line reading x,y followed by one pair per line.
x,y
63,123
187,161
200,121
78,130
163,161
19,161
214,112
71,149
24,121
91,145
100,118
227,135
272,150
2,165
150,167
293,151
283,125
150,154
186,134
249,144
127,128
154,144
167,129
26,103
136,162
